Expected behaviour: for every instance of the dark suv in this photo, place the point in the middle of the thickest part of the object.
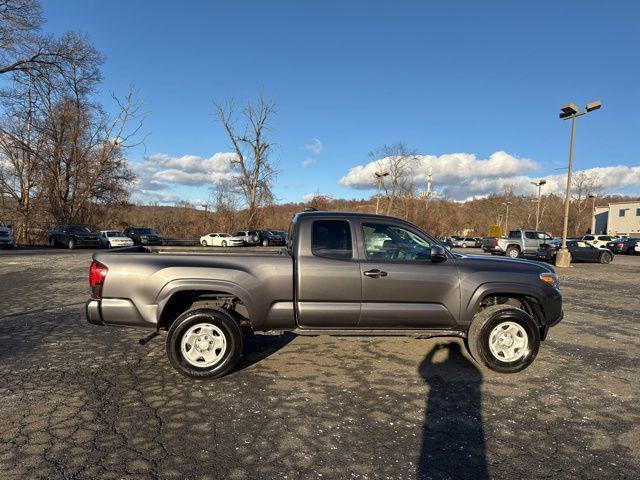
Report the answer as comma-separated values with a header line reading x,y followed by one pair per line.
x,y
73,236
143,236
268,238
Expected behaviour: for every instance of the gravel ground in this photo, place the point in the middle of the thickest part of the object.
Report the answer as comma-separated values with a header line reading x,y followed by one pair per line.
x,y
81,401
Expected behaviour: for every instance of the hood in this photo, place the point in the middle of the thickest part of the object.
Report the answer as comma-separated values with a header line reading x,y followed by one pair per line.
x,y
502,263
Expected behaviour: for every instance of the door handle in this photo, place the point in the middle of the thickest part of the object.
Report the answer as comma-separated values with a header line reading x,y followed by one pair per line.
x,y
375,273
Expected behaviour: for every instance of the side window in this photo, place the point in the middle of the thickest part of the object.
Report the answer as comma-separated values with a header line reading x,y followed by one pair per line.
x,y
581,245
331,239
622,212
530,235
514,234
588,237
389,242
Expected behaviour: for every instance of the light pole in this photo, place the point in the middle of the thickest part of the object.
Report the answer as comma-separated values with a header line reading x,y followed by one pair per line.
x,y
593,196
538,184
506,218
570,111
379,179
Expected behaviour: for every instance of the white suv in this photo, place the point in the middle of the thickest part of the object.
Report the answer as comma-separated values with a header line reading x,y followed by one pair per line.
x,y
599,241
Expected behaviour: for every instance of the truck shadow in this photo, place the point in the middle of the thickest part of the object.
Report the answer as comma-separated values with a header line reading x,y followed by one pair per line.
x,y
258,347
453,434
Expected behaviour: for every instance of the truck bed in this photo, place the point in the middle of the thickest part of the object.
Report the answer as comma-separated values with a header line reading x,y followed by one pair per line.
x,y
181,250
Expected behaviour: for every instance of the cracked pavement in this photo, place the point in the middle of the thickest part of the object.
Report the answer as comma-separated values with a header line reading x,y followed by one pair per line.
x,y
82,401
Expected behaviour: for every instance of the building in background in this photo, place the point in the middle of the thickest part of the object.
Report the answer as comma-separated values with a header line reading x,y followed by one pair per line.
x,y
621,218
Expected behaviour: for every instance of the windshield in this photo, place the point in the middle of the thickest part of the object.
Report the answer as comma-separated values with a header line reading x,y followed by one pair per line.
x,y
113,234
224,235
144,231
78,229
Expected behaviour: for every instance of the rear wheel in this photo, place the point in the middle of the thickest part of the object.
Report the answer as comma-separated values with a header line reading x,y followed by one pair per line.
x,y
503,338
606,257
513,252
203,243
204,343
265,243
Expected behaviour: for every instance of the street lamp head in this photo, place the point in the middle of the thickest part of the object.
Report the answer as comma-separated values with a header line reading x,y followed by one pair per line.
x,y
569,109
595,105
381,174
592,195
542,182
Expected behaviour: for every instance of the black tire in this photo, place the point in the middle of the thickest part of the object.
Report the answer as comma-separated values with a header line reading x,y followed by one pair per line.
x,y
605,258
265,243
486,321
71,244
214,316
224,243
512,252
203,243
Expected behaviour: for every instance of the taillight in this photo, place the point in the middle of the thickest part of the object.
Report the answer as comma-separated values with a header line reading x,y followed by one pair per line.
x,y
495,242
620,244
97,274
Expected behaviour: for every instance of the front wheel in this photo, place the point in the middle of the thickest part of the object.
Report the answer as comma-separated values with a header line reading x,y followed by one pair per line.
x,y
503,338
71,244
265,243
204,343
224,243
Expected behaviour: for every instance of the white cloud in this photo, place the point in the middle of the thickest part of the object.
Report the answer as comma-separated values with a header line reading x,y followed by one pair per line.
x,y
307,162
158,173
462,176
315,146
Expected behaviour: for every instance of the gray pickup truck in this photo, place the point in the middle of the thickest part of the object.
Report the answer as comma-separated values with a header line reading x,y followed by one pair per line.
x,y
340,274
517,243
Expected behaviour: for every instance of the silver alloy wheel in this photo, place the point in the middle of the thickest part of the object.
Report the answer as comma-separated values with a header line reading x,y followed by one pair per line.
x,y
204,243
203,345
508,341
514,253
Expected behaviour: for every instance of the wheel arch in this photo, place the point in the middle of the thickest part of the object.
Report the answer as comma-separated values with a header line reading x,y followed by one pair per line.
x,y
495,293
177,297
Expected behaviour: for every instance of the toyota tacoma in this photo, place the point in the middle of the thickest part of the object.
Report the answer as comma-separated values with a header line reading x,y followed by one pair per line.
x,y
340,274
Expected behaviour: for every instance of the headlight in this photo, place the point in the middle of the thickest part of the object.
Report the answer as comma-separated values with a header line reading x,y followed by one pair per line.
x,y
550,278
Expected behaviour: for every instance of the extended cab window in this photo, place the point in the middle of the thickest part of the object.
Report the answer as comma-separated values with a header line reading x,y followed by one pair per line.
x,y
514,234
332,239
389,242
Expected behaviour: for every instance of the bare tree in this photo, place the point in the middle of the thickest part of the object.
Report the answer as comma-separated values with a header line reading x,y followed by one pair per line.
x,y
252,147
19,162
398,161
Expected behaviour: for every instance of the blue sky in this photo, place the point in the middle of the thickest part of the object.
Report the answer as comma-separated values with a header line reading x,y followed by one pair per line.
x,y
444,77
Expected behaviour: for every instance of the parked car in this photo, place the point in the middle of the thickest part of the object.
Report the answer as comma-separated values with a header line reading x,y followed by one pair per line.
x,y
623,245
597,240
330,280
220,240
517,243
250,238
268,238
580,251
478,241
446,242
73,236
143,236
114,239
7,240
466,242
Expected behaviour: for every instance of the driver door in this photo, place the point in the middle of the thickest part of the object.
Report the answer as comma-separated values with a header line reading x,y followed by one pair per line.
x,y
401,287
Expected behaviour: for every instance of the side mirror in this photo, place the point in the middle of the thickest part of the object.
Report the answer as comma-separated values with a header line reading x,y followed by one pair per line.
x,y
438,254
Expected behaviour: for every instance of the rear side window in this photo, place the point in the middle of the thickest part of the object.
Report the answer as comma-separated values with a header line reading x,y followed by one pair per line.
x,y
588,237
514,234
331,239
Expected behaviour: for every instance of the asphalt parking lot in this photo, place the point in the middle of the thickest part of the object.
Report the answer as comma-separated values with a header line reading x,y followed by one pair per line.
x,y
80,401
